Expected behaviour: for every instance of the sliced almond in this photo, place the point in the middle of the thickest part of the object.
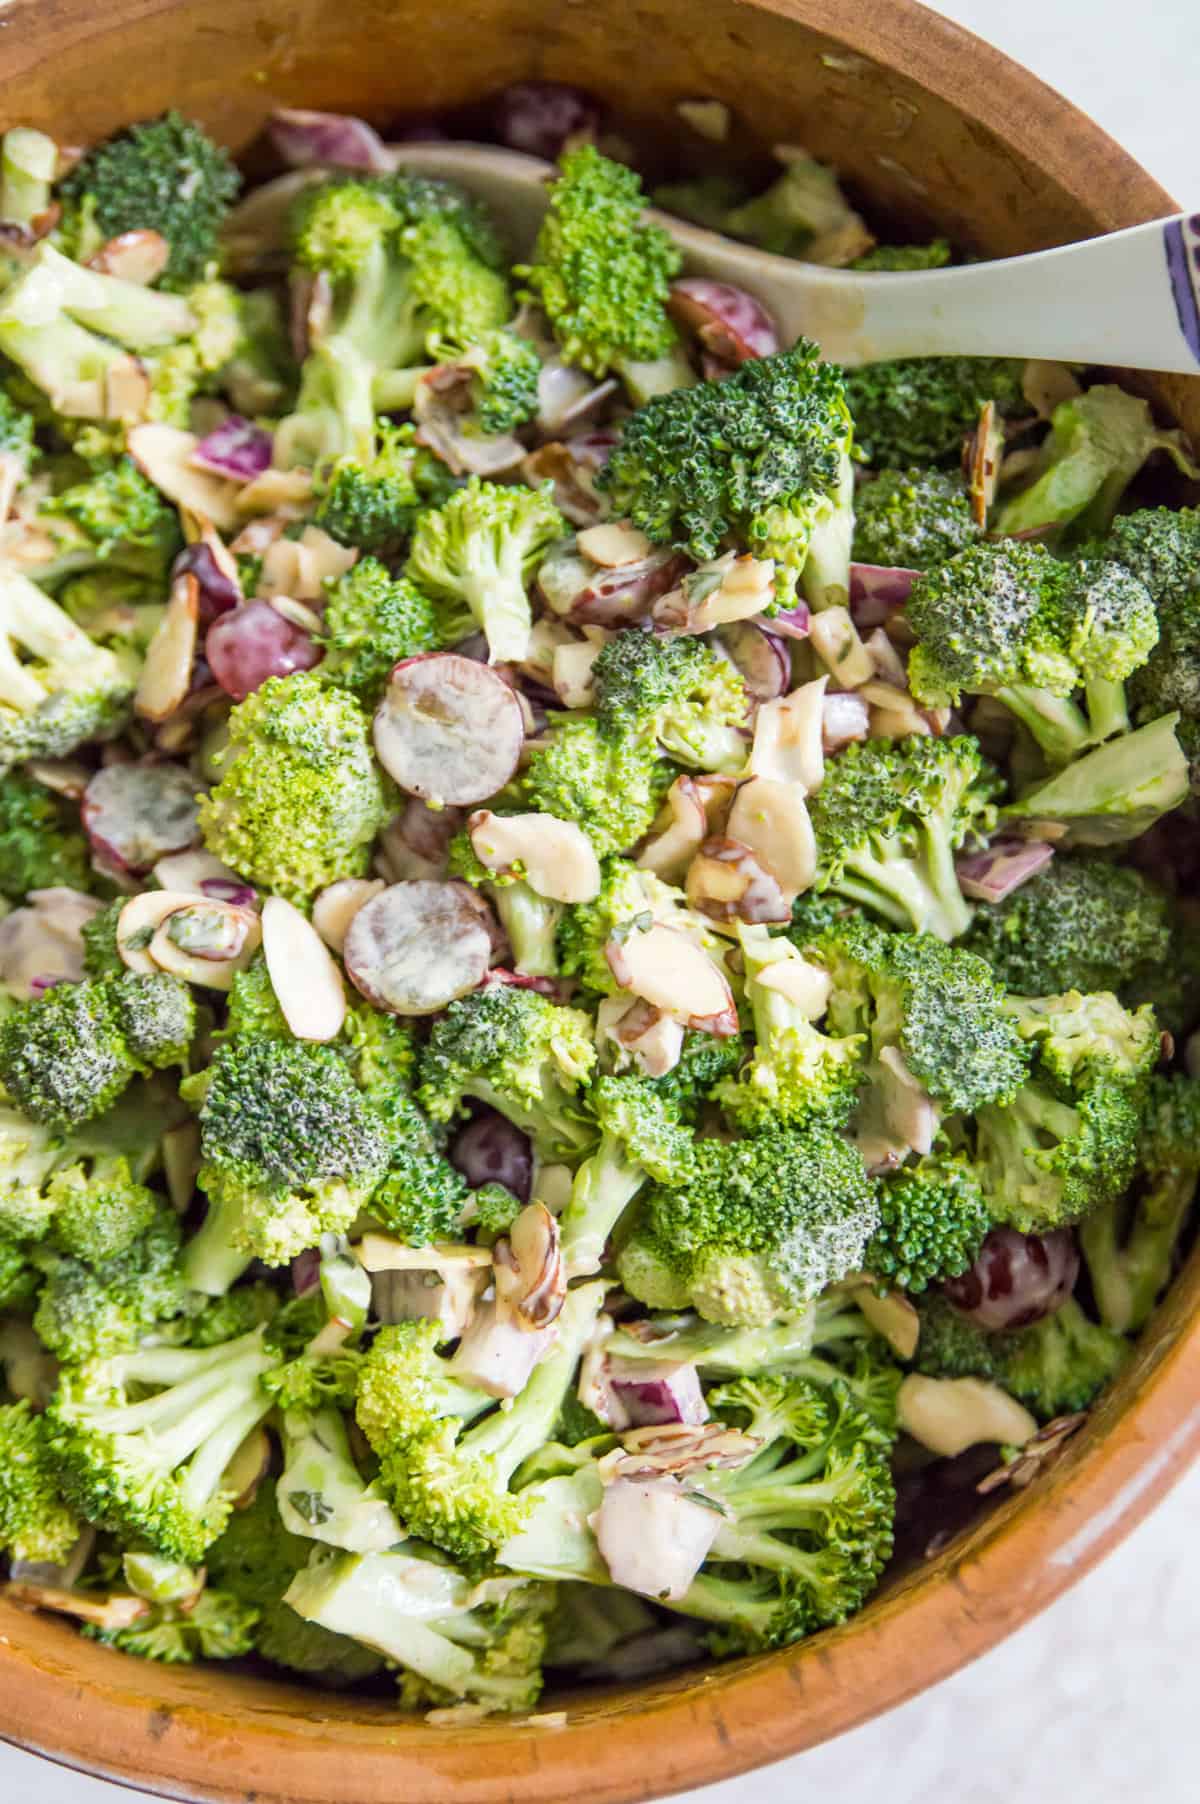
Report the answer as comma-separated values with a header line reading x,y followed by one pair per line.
x,y
126,391
834,637
670,850
889,666
908,1110
306,982
844,718
666,968
948,1415
336,907
380,1253
61,775
115,1611
531,1278
192,872
678,1448
181,1162
726,882
163,455
247,1469
891,1315
614,543
770,817
983,453
787,737
139,921
1046,384
206,943
747,586
298,612
544,640
300,567
894,714
139,256
554,857
806,986
287,493
651,1038
167,673
571,671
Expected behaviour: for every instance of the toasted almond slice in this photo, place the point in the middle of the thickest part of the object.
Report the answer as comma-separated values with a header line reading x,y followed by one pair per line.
x,y
181,1162
571,672
805,985
771,818
163,455
892,1316
193,871
834,638
305,979
380,1253
118,1610
297,612
554,857
983,452
139,921
139,256
894,715
336,907
614,543
167,673
728,883
670,851
948,1415
126,391
787,737
666,968
908,1110
247,1469
62,775
745,589
287,493
531,1277
206,943
300,567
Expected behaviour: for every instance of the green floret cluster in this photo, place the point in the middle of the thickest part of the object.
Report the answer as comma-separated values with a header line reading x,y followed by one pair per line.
x,y
40,846
1079,924
1056,1366
915,410
933,1220
912,518
300,799
372,620
372,505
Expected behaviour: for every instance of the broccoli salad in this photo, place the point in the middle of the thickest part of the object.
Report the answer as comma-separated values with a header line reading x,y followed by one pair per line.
x,y
596,972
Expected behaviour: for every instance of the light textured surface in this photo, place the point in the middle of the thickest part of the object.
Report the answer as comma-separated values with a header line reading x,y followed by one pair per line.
x,y
1098,1697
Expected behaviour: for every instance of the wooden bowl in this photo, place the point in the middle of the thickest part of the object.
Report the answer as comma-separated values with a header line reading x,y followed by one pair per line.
x,y
923,119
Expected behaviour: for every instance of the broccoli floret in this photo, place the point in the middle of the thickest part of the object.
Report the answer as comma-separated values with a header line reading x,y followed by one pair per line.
x,y
165,174
450,1485
938,1005
99,1211
1010,621
451,1639
1080,1039
1097,443
149,1467
372,505
761,459
321,1492
371,621
1131,1244
254,1010
121,519
403,260
599,273
1161,546
290,1149
35,1523
915,410
678,692
512,1048
643,1136
19,1277
703,1061
807,1520
611,785
90,1310
40,846
914,518
888,819
225,1318
625,893
477,555
763,1225
933,1219
1057,1366
57,686
405,1387
255,1560
795,1074
1079,924
300,800
906,257
67,1055
421,1197
1113,794
212,1626
504,370
18,447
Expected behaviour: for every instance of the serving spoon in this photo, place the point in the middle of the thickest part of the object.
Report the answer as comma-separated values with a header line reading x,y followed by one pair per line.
x,y
1130,298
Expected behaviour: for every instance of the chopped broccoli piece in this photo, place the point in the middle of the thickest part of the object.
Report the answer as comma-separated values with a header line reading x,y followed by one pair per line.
x,y
57,686
88,1311
625,893
504,379
372,505
612,785
212,1626
41,847
915,410
899,258
421,1197
405,1386
371,621
1115,793
643,1136
300,800
1057,1366
477,554
678,692
321,1492
761,458
122,519
913,518
600,274
1079,924
35,1523
933,1219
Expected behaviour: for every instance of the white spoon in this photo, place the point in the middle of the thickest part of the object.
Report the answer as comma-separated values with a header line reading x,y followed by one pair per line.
x,y
1131,298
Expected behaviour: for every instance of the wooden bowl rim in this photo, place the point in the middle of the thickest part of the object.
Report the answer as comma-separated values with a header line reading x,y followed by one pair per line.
x,y
160,1730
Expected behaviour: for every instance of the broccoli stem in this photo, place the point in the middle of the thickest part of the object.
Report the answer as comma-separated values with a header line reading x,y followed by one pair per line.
x,y
531,924
509,1436
925,900
1107,709
1129,1269
825,578
603,1189
212,1260
321,1493
1056,723
27,165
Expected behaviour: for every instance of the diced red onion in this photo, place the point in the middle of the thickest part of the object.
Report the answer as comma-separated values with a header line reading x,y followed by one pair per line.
x,y
653,1537
39,985
844,717
1001,868
539,116
235,448
656,1391
306,1271
302,137
762,658
790,623
254,642
877,590
490,1150
218,592
223,889
730,324
498,1355
1016,1279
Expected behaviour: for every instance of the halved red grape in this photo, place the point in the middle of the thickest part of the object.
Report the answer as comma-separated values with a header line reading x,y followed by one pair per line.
x,y
134,814
539,116
417,946
254,642
448,730
1016,1279
490,1150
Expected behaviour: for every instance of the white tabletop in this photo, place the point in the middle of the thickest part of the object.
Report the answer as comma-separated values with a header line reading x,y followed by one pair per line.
x,y
1098,1697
